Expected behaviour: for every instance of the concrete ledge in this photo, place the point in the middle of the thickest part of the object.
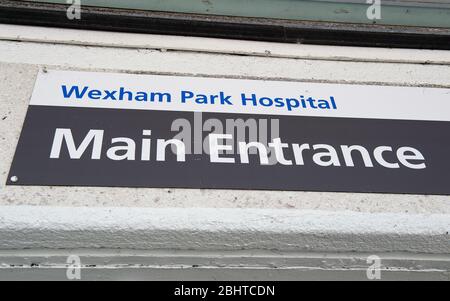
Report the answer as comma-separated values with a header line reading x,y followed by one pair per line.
x,y
23,227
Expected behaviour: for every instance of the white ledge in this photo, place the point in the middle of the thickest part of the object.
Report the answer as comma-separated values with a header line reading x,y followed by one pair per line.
x,y
213,45
45,227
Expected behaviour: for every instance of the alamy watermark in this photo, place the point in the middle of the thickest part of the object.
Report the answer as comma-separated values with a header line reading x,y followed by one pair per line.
x,y
231,136
74,10
374,10
73,271
373,272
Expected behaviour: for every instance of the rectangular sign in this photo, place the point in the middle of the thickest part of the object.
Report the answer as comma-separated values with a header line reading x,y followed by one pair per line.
x,y
125,130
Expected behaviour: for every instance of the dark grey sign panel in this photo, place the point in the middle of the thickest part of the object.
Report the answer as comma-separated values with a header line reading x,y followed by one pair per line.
x,y
74,146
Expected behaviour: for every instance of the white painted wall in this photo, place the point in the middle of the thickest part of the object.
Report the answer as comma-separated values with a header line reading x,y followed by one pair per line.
x,y
153,233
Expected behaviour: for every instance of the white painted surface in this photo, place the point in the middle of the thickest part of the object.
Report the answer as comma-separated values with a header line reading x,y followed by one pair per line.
x,y
310,222
221,244
101,58
210,45
27,227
